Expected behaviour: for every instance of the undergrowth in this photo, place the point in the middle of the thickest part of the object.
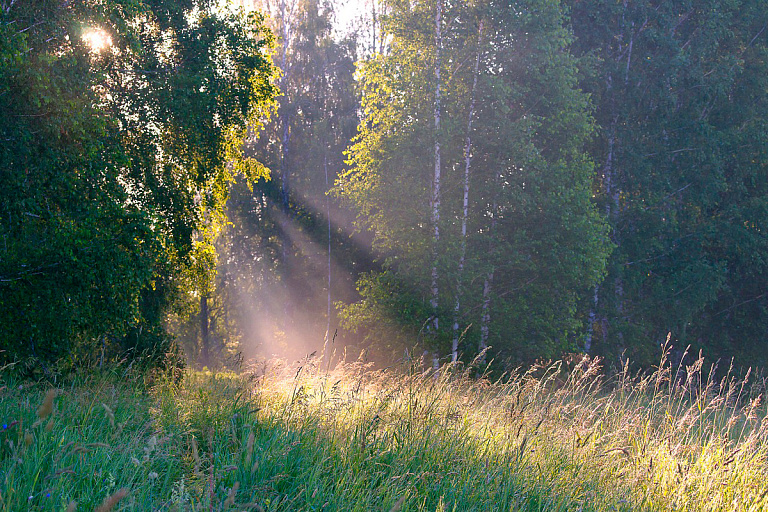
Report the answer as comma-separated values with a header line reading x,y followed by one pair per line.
x,y
304,438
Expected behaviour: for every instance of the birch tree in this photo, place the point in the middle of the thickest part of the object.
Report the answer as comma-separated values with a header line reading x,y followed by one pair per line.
x,y
530,177
436,196
465,206
121,126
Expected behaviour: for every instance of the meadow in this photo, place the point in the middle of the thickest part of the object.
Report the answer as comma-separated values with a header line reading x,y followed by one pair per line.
x,y
306,437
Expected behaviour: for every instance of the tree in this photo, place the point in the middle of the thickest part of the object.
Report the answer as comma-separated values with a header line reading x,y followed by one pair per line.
x,y
676,90
118,122
531,179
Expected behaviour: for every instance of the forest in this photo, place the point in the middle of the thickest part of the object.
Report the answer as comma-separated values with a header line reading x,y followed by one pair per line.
x,y
383,255
429,179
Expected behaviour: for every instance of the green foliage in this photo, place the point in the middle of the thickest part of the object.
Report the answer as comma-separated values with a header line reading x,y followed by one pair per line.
x,y
679,94
112,159
532,221
389,316
270,289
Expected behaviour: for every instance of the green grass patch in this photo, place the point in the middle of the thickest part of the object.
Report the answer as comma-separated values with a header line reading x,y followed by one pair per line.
x,y
356,439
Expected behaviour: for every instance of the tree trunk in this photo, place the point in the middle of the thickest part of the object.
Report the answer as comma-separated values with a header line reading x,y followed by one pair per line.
x,y
591,321
284,119
374,22
326,348
612,211
436,177
465,212
205,341
485,316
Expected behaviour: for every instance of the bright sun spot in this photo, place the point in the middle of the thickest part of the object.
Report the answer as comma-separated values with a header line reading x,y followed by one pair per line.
x,y
97,39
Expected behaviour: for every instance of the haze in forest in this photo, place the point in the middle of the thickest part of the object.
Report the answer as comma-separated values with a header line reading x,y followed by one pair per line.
x,y
430,180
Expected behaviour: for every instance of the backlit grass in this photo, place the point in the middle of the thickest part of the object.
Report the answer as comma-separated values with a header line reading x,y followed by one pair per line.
x,y
304,438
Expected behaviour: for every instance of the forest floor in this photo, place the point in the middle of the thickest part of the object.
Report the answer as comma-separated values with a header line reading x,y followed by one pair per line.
x,y
354,439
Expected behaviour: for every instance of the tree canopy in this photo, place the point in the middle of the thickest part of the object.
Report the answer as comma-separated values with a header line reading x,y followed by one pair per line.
x,y
532,226
121,125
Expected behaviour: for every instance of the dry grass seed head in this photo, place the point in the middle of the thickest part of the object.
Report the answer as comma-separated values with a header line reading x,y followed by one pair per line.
x,y
195,452
110,501
398,504
110,414
46,408
72,506
231,496
195,456
249,448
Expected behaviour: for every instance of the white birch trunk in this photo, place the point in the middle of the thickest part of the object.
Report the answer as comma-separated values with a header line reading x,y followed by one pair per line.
x,y
591,320
326,348
465,212
612,211
485,315
436,177
485,318
374,22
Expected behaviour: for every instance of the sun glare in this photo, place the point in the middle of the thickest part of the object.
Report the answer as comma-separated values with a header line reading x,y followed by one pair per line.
x,y
97,39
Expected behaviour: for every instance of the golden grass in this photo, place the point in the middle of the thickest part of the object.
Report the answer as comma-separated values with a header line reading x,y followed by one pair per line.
x,y
654,440
546,438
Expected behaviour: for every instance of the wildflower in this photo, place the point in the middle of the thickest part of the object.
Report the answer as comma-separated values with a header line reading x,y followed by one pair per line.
x,y
153,475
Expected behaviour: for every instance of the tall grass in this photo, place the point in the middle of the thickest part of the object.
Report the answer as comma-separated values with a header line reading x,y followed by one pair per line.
x,y
351,438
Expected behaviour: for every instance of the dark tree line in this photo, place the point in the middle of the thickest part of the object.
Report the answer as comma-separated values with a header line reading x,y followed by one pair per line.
x,y
679,90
